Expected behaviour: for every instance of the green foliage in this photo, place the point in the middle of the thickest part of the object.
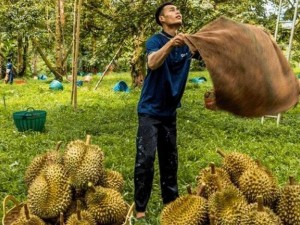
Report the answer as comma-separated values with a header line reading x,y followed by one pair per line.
x,y
111,119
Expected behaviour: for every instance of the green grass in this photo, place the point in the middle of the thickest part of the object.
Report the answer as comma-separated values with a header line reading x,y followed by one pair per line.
x,y
112,121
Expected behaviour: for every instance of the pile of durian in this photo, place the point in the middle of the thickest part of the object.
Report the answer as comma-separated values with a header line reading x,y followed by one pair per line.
x,y
239,192
73,187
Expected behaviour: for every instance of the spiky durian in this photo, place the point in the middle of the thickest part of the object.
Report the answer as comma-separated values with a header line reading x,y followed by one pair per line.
x,y
255,182
214,179
50,193
26,218
112,179
288,208
227,205
106,205
236,164
189,209
84,163
257,214
40,161
81,217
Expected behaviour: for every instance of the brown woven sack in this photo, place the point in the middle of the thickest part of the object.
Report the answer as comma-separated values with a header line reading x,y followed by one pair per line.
x,y
250,74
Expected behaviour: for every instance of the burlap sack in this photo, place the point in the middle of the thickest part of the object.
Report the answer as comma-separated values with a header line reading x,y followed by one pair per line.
x,y
250,74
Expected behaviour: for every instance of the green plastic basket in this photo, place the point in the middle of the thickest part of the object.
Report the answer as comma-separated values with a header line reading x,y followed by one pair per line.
x,y
30,120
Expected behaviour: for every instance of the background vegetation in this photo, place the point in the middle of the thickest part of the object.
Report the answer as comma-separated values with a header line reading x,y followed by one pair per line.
x,y
37,34
110,117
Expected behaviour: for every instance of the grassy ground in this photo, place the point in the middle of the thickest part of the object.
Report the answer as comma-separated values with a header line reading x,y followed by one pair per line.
x,y
112,121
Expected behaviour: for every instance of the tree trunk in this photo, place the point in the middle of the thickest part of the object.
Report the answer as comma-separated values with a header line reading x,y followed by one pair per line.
x,y
59,53
23,68
20,55
1,71
138,60
34,63
57,75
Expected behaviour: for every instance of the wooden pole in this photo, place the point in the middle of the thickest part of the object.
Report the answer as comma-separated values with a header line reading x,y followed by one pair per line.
x,y
105,71
76,37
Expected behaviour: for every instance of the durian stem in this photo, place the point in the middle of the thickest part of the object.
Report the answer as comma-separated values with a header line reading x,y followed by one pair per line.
x,y
258,162
91,187
189,189
78,215
212,220
88,139
58,145
201,189
61,218
212,168
221,153
260,203
292,180
26,212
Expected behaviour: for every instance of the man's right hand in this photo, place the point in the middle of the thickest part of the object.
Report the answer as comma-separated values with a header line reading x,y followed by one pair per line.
x,y
178,40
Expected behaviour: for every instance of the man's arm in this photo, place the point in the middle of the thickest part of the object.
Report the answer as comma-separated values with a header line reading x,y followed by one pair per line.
x,y
156,59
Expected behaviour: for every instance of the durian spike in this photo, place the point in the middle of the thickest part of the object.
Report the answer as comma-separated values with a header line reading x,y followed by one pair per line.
x,y
26,212
260,203
88,139
212,220
189,189
61,219
219,151
212,168
58,144
292,180
91,187
201,189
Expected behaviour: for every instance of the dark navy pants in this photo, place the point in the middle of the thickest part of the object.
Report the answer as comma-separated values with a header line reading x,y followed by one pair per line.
x,y
155,134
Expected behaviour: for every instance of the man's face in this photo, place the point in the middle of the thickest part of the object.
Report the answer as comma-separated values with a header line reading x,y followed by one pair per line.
x,y
170,15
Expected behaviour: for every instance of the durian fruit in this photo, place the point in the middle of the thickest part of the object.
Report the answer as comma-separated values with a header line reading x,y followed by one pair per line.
x,y
81,217
40,161
257,214
214,178
106,205
112,179
236,164
227,206
288,207
255,182
186,210
84,163
26,218
50,193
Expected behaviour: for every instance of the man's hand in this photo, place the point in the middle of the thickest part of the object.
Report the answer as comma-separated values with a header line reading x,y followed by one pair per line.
x,y
178,40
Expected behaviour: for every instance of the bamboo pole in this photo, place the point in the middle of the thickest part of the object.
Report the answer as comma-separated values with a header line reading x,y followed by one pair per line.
x,y
105,71
76,36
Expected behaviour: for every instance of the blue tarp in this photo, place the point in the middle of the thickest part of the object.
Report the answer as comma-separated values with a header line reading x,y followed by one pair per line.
x,y
121,86
198,80
56,85
42,77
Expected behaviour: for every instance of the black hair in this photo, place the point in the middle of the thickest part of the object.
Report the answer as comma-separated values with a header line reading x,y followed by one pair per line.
x,y
159,10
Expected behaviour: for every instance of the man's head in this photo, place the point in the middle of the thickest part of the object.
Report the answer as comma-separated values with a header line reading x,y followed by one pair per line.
x,y
169,14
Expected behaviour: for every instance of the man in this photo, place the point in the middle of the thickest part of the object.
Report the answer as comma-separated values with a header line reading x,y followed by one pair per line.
x,y
9,72
168,60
